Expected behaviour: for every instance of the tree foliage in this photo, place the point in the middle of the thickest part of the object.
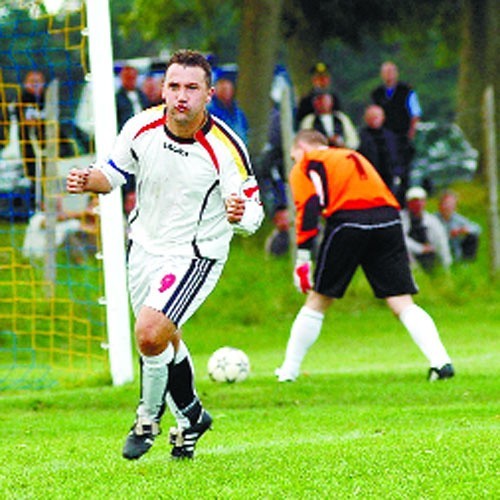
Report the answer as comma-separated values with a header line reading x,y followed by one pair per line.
x,y
208,25
441,32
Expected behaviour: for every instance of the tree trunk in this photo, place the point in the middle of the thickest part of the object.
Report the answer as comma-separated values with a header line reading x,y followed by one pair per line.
x,y
302,46
479,66
259,43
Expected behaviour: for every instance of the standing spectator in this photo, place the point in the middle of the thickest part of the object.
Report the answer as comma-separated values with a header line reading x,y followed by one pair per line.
x,y
225,107
151,86
130,100
379,145
31,115
4,122
271,166
197,190
362,228
463,234
425,236
321,81
402,114
271,174
335,125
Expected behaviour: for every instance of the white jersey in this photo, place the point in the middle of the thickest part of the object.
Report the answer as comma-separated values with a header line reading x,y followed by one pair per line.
x,y
181,185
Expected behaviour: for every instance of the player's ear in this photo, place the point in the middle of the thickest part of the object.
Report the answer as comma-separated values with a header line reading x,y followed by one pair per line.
x,y
211,91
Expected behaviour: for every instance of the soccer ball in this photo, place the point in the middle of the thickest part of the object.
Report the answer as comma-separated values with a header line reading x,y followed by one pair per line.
x,y
228,364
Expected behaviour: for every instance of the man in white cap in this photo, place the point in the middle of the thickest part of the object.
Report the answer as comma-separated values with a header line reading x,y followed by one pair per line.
x,y
425,235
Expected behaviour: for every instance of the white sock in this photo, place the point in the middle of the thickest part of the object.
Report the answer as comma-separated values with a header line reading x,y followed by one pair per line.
x,y
304,332
423,331
182,420
154,384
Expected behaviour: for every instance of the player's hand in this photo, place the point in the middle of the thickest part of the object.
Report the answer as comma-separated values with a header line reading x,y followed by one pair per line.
x,y
76,180
302,274
235,208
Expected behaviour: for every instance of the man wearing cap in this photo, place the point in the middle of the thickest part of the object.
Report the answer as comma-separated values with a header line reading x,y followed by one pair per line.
x,y
321,81
425,235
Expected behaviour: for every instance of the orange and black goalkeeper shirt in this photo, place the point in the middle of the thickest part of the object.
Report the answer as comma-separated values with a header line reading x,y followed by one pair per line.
x,y
330,180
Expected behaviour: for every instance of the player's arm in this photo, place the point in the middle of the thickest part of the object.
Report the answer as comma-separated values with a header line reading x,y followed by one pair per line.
x,y
245,210
308,211
87,180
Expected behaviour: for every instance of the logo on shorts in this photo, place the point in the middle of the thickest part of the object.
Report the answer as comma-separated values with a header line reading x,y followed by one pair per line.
x,y
166,282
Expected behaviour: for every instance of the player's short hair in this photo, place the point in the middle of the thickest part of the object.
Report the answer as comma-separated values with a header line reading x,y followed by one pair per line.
x,y
192,58
310,136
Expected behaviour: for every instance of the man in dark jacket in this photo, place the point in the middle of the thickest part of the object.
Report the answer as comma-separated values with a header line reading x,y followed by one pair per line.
x,y
402,114
380,146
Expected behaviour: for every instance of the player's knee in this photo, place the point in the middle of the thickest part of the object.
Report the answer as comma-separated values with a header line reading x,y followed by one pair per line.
x,y
153,331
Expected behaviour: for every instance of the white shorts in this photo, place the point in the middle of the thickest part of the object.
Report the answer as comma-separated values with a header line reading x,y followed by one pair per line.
x,y
175,285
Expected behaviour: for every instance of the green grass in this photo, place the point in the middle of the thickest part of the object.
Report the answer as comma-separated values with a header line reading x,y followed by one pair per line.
x,y
361,422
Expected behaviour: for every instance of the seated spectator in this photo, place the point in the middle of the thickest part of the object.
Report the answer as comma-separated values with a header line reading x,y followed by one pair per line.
x,y
321,81
335,125
463,234
75,230
425,236
380,146
224,106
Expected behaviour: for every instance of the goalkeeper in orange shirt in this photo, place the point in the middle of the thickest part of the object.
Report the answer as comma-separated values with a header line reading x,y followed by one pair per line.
x,y
363,228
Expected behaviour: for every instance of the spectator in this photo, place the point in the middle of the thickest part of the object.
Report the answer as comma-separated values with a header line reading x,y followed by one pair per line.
x,y
463,234
402,114
130,100
321,81
31,115
77,230
335,125
379,145
151,86
271,174
4,123
425,236
225,107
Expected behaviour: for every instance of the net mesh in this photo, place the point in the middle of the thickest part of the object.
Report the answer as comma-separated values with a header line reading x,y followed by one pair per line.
x,y
52,321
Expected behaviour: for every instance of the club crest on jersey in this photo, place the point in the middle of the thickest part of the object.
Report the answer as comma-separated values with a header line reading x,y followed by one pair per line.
x,y
175,149
166,282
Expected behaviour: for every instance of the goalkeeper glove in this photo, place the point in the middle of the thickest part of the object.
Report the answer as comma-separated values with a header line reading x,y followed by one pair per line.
x,y
302,274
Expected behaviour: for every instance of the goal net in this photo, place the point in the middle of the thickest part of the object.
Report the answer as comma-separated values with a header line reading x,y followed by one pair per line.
x,y
56,316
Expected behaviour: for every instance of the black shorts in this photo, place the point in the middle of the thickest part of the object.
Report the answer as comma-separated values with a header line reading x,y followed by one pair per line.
x,y
372,239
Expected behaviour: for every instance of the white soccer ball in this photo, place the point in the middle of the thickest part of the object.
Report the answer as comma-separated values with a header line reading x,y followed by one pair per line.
x,y
228,364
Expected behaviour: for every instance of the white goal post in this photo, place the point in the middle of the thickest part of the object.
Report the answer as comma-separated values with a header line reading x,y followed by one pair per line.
x,y
112,227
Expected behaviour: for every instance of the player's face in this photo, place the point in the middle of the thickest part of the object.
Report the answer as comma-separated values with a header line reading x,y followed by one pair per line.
x,y
186,94
297,152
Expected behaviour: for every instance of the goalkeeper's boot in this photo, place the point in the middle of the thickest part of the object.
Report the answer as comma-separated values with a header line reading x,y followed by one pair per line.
x,y
140,438
184,440
446,371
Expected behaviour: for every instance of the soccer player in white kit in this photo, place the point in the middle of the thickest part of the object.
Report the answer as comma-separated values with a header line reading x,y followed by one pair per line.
x,y
195,188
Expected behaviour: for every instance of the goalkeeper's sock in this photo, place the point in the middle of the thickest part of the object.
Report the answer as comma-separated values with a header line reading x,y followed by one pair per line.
x,y
181,394
305,331
424,333
154,380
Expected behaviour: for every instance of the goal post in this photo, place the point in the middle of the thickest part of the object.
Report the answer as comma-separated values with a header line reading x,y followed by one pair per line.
x,y
112,223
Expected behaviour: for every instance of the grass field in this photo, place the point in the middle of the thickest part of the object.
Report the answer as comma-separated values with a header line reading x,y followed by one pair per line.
x,y
361,422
